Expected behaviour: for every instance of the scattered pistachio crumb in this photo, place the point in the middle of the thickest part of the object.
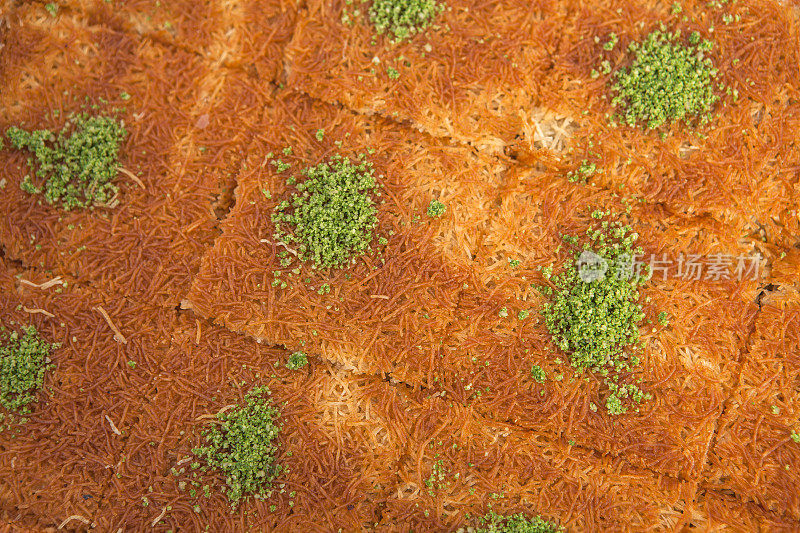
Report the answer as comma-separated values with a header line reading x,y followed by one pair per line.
x,y
585,171
613,39
518,523
436,209
297,361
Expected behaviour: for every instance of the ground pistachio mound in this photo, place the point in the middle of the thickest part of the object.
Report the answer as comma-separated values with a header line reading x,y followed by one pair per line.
x,y
594,312
77,166
331,219
243,445
403,18
518,523
667,80
24,361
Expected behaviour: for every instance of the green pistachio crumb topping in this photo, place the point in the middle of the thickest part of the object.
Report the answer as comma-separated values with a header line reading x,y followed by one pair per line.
x,y
667,81
242,445
332,217
78,165
538,374
437,479
297,361
795,436
24,360
613,39
325,288
403,18
517,523
594,312
436,209
585,171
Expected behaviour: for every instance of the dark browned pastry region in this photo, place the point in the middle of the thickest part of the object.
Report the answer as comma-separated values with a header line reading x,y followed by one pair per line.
x,y
449,371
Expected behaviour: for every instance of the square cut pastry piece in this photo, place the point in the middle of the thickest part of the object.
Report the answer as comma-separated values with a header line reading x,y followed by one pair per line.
x,y
720,511
506,353
385,310
184,140
758,444
459,466
250,33
56,467
338,455
479,73
740,167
